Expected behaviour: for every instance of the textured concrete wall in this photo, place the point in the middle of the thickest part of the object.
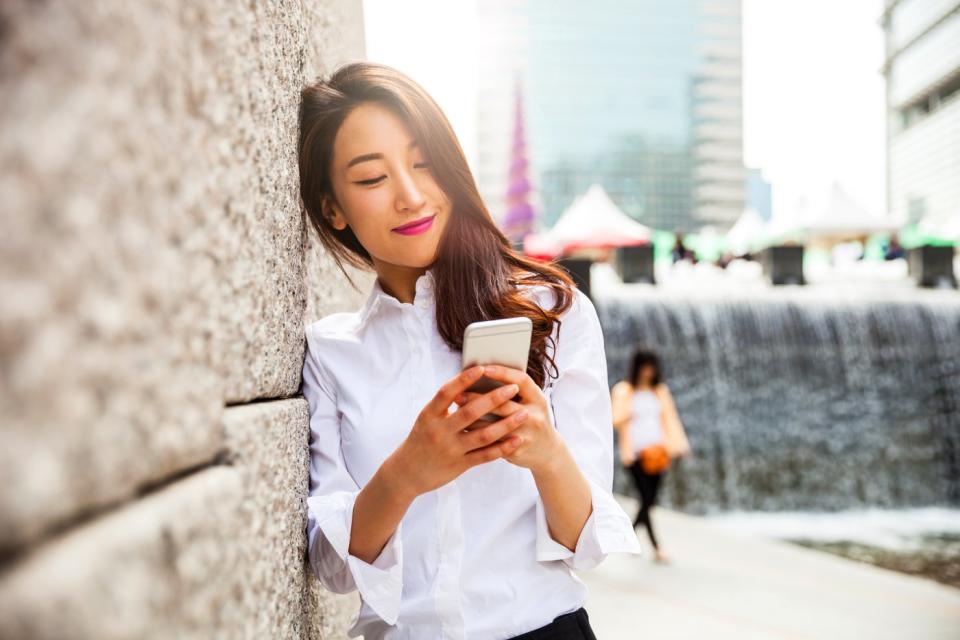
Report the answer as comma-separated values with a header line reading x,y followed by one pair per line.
x,y
156,275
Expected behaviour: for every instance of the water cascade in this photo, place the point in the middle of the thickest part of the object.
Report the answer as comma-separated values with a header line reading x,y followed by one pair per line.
x,y
796,400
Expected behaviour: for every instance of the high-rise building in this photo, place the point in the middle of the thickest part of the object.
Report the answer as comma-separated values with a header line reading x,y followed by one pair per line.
x,y
643,97
922,70
759,193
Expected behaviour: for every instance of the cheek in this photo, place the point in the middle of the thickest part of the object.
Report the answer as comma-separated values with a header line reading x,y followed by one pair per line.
x,y
366,212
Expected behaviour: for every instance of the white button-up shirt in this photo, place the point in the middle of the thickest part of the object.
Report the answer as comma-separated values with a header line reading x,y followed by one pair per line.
x,y
474,558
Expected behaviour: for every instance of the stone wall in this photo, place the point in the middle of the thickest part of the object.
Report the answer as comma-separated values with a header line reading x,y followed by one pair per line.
x,y
156,275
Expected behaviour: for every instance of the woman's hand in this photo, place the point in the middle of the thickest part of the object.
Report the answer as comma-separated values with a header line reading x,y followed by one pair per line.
x,y
541,442
438,449
563,488
627,459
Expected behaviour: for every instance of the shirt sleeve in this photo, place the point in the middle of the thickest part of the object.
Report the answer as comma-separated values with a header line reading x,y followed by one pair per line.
x,y
580,408
333,492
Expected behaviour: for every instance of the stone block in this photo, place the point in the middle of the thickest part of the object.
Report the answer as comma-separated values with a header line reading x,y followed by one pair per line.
x,y
162,567
783,264
635,264
932,266
153,261
267,445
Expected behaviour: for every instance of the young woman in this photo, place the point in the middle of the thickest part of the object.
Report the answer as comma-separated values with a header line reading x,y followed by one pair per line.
x,y
649,432
445,532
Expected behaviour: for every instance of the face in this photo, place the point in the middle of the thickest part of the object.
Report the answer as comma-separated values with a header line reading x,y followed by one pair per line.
x,y
647,372
382,182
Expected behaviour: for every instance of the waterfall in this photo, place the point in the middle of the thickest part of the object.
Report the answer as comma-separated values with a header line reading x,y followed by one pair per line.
x,y
796,400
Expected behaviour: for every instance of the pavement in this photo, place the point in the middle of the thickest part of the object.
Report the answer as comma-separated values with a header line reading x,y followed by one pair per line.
x,y
721,585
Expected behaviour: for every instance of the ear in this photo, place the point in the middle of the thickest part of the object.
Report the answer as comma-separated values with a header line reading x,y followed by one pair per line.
x,y
334,214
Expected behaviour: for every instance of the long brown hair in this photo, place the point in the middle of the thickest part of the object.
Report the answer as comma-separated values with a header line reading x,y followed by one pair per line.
x,y
641,358
476,272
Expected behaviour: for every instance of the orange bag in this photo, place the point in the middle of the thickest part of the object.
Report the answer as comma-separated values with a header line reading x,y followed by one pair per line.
x,y
655,459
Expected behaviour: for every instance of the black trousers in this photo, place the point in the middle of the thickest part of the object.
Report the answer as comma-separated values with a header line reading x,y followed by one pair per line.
x,y
570,626
647,485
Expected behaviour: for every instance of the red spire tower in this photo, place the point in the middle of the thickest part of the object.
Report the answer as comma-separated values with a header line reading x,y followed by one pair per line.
x,y
519,220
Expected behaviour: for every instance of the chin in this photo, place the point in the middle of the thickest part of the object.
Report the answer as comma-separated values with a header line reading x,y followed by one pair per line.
x,y
418,258
411,260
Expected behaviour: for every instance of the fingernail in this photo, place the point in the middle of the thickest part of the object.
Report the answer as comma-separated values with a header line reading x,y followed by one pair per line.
x,y
521,415
514,389
517,441
479,370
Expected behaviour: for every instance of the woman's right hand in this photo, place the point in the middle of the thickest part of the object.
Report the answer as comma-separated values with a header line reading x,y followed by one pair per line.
x,y
437,449
627,459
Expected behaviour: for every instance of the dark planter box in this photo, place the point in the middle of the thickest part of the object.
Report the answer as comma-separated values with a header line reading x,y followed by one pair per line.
x,y
932,266
635,264
783,264
579,270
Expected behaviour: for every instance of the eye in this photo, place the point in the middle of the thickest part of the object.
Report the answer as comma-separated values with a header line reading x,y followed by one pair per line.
x,y
371,181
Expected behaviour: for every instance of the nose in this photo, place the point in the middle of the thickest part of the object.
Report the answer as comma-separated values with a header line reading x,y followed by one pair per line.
x,y
408,196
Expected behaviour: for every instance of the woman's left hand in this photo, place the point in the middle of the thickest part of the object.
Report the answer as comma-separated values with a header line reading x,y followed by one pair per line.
x,y
541,442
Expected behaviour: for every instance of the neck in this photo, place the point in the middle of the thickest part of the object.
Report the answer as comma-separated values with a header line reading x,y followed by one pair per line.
x,y
399,282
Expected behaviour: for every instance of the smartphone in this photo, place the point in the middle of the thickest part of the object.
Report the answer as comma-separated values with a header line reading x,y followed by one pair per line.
x,y
505,342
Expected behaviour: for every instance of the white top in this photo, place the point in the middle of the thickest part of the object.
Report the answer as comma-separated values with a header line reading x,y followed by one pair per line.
x,y
645,426
474,558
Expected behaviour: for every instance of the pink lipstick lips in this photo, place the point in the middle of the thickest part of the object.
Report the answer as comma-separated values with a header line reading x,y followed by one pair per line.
x,y
416,227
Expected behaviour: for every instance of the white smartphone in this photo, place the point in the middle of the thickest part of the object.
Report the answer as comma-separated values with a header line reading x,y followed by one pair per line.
x,y
505,342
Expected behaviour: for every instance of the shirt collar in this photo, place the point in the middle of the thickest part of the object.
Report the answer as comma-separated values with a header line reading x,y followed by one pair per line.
x,y
378,298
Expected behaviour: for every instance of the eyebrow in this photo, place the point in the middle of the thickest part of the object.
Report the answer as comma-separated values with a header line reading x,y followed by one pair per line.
x,y
376,156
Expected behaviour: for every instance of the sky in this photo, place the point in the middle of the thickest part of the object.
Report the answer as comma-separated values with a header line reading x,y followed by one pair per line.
x,y
813,92
813,97
434,42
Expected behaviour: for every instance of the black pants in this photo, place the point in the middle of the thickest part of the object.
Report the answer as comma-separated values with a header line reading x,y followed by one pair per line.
x,y
570,626
647,485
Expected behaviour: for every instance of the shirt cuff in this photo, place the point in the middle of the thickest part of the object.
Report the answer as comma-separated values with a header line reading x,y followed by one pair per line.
x,y
607,530
380,583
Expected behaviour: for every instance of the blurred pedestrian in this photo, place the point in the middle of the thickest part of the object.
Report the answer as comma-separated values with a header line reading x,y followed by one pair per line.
x,y
725,259
894,249
681,252
650,433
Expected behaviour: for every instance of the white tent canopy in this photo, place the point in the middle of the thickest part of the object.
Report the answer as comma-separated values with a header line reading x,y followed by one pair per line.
x,y
747,233
594,220
831,215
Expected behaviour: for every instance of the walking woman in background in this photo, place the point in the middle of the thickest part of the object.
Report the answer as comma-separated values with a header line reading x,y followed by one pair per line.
x,y
650,433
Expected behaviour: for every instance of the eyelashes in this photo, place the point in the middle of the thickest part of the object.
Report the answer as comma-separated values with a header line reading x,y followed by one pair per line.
x,y
378,179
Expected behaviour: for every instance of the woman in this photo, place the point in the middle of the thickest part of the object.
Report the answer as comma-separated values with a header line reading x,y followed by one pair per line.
x,y
445,532
650,433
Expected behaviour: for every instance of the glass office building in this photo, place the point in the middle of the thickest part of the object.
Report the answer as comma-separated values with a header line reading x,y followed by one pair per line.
x,y
922,70
643,97
759,193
